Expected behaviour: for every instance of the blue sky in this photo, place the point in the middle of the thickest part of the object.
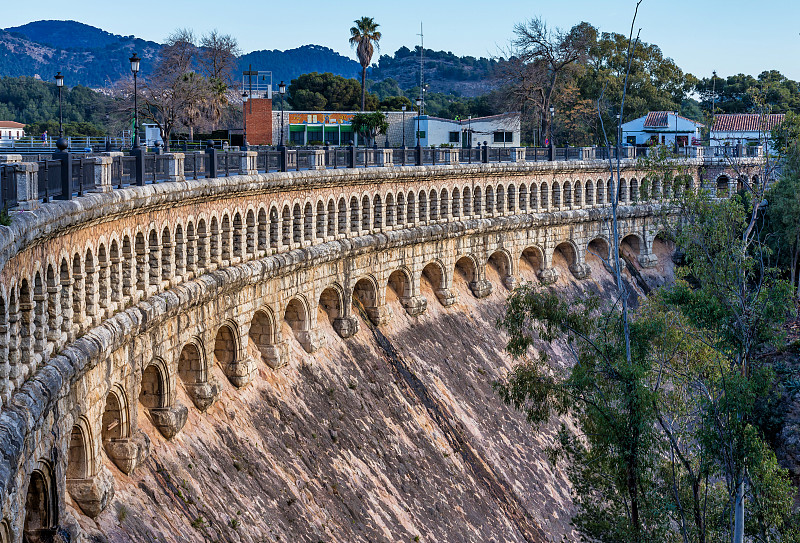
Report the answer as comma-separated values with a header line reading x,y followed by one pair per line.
x,y
729,36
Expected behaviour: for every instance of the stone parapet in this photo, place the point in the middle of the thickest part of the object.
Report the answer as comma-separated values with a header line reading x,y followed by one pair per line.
x,y
25,180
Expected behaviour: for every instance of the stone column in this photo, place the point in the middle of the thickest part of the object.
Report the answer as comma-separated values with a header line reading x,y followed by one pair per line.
x,y
517,154
450,156
175,167
101,172
248,165
316,159
26,181
8,159
383,158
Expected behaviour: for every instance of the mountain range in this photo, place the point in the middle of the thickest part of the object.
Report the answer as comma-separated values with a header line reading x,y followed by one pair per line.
x,y
95,58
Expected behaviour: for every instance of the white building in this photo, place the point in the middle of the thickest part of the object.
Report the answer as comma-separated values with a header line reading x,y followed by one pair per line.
x,y
743,128
333,127
10,131
662,127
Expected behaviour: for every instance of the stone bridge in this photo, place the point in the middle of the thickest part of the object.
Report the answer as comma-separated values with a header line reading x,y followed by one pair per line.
x,y
125,296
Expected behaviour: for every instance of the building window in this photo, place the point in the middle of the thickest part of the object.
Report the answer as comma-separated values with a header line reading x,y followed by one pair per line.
x,y
631,140
454,137
421,134
503,137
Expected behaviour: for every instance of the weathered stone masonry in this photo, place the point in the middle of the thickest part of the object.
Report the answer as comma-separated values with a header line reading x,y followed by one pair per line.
x,y
124,296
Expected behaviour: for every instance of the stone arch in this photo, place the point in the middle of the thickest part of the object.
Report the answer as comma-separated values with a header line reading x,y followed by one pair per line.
x,y
533,199
319,227
455,209
251,235
565,254
180,250
433,198
634,191
467,269
193,371
80,455
297,224
599,196
365,209
331,303
155,389
296,315
227,231
611,195
631,245
435,274
444,205
589,193
467,202
355,218
555,192
511,200
500,260
423,206
401,209
263,335
599,248
544,196
238,232
622,193
78,297
477,202
274,228
489,201
331,218
400,283
391,210
226,347
5,531
411,215
286,226
377,212
722,190
214,239
308,223
41,505
500,200
365,292
116,422
532,258
567,191
342,217
262,231
577,194
523,198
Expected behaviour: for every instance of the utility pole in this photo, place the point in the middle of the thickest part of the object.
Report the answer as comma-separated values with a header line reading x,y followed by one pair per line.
x,y
421,69
249,73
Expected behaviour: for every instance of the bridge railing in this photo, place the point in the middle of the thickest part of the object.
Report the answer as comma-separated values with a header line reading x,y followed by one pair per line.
x,y
117,170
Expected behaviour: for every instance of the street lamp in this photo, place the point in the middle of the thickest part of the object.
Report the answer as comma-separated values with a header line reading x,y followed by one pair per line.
x,y
282,92
60,84
404,126
135,69
469,138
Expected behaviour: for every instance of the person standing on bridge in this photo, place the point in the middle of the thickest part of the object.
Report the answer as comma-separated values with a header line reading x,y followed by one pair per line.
x,y
44,137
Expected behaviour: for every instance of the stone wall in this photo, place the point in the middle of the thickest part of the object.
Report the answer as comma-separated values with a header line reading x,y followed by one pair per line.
x,y
122,297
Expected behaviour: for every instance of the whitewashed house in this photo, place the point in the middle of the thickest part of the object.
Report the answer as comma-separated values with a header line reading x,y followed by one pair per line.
x,y
662,127
11,131
743,128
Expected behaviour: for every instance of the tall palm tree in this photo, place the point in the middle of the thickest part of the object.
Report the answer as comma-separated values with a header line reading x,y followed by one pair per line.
x,y
364,37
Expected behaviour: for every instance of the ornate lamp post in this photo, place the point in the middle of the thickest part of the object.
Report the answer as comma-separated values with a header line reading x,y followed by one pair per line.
x,y
61,143
135,69
282,92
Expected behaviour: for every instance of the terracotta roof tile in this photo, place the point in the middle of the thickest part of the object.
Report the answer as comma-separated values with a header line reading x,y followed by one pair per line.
x,y
11,124
746,122
660,119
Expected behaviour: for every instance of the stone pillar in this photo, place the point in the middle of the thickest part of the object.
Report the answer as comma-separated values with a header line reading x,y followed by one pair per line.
x,y
9,159
93,494
548,275
248,165
450,156
316,159
517,154
585,153
175,166
291,159
26,182
101,172
383,157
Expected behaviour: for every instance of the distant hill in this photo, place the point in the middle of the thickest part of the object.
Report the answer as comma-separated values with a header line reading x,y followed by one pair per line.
x,y
287,65
84,54
95,58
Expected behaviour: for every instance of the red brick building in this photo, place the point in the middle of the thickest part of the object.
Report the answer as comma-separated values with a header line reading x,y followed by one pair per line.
x,y
258,121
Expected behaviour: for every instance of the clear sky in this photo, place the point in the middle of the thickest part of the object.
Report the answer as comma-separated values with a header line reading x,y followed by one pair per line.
x,y
730,36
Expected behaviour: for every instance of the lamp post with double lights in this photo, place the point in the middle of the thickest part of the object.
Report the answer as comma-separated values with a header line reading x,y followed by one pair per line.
x,y
61,144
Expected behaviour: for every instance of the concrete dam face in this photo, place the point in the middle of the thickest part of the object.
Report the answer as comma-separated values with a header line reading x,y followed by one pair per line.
x,y
302,356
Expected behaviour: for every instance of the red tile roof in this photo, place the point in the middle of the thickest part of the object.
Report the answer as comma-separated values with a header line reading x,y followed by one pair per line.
x,y
746,122
660,119
11,124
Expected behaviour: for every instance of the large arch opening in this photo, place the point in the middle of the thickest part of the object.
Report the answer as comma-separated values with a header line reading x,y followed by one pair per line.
x,y
153,393
499,265
598,252
330,306
261,336
365,292
79,465
564,258
466,270
630,247
191,368
531,262
296,318
41,514
399,286
225,351
115,421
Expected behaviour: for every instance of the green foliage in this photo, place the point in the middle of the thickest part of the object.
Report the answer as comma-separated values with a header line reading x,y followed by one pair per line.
x,y
742,93
370,124
327,92
35,103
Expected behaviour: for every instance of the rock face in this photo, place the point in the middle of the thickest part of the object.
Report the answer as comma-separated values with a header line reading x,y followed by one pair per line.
x,y
391,435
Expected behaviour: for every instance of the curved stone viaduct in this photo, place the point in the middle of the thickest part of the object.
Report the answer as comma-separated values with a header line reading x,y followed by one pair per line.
x,y
122,297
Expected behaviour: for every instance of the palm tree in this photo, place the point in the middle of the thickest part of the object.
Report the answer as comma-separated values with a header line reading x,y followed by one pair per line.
x,y
364,37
